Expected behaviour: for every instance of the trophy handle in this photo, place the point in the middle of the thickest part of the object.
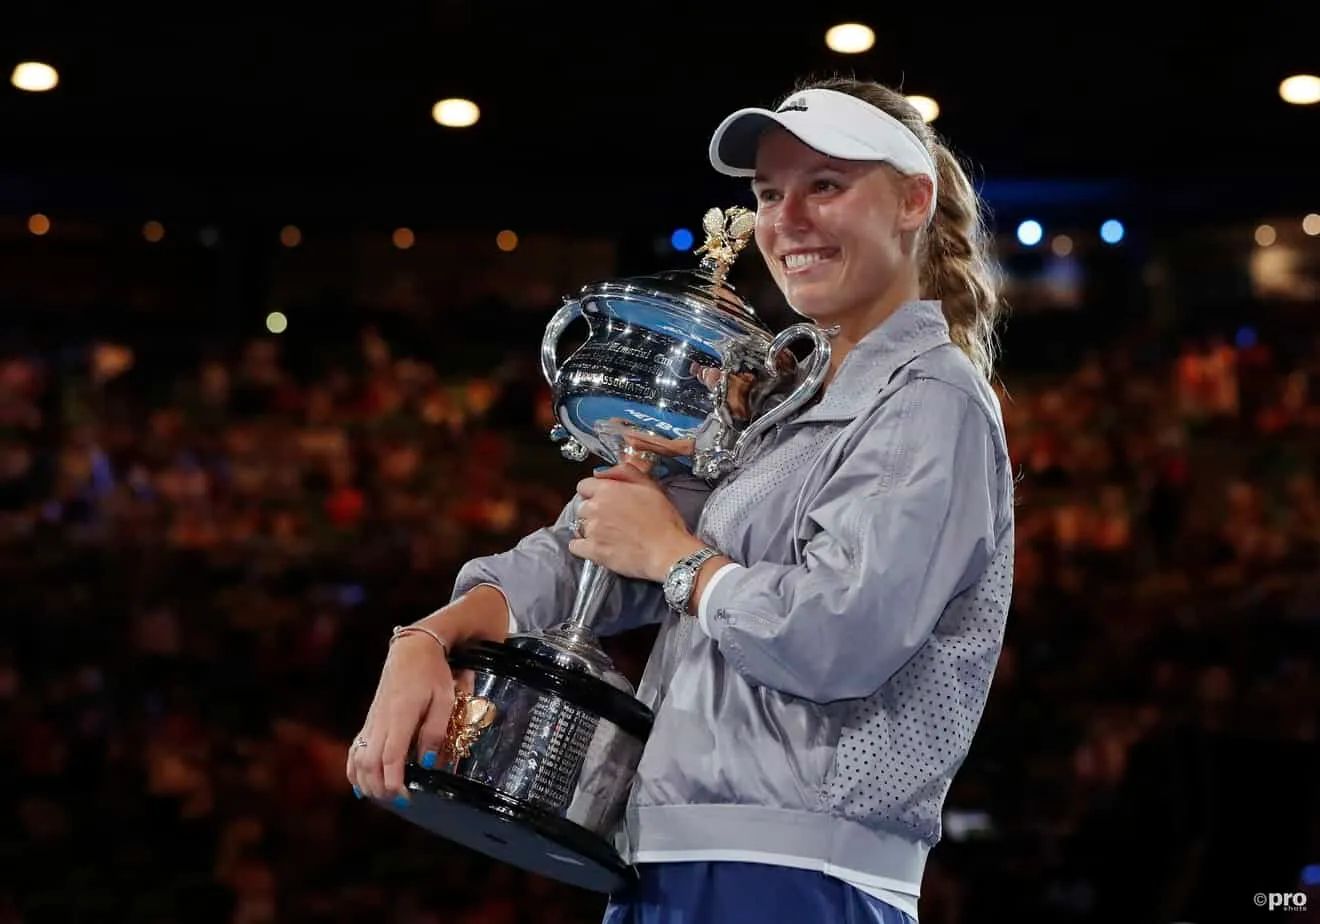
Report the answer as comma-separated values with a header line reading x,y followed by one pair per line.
x,y
569,447
565,316
817,370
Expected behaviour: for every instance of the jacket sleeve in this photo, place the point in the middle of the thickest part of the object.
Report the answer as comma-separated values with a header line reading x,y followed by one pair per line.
x,y
539,576
907,522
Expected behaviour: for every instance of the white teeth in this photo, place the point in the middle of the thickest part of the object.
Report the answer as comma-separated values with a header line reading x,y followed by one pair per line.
x,y
799,260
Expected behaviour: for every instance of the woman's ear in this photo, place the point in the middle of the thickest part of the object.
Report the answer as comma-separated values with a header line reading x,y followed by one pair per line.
x,y
915,193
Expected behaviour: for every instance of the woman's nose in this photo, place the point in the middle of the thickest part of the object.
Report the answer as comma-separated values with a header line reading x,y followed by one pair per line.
x,y
792,214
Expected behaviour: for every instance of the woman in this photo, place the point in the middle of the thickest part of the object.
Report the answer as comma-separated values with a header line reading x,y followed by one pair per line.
x,y
824,675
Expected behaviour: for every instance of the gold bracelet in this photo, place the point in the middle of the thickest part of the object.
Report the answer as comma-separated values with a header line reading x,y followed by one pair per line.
x,y
400,631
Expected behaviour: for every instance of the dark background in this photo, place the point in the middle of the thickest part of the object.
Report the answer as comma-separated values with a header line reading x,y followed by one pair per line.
x,y
207,529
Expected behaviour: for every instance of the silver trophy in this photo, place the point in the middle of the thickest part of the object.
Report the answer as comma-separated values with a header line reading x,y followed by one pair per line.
x,y
676,375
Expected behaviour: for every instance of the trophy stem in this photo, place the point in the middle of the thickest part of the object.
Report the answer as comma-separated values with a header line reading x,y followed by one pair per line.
x,y
593,586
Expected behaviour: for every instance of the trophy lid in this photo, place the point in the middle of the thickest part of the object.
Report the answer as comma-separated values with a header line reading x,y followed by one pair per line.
x,y
705,288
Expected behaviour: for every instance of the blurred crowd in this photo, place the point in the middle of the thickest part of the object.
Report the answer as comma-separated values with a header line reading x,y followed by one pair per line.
x,y
202,559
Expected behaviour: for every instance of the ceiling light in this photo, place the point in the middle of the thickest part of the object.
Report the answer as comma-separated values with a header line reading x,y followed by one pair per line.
x,y
929,109
34,77
850,38
455,113
1300,90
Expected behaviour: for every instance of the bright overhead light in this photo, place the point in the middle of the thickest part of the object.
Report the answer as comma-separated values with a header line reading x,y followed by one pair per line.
x,y
850,38
1300,90
34,77
929,109
455,113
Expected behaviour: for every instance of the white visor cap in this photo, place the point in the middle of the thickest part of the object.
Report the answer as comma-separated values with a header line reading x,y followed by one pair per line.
x,y
833,123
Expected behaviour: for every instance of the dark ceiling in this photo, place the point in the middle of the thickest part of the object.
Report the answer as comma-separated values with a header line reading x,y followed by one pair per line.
x,y
604,111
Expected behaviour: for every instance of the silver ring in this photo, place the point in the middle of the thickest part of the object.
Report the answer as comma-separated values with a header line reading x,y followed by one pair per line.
x,y
360,743
579,528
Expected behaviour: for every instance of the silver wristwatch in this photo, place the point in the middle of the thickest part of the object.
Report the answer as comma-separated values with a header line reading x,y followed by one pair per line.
x,y
682,579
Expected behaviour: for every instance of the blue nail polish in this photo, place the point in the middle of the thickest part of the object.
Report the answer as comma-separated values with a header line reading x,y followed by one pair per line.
x,y
401,801
357,792
428,760
600,469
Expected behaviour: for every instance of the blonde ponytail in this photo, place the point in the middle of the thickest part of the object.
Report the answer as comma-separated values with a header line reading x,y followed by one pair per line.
x,y
957,267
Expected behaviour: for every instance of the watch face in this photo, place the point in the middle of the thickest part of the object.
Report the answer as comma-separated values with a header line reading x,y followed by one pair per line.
x,y
680,587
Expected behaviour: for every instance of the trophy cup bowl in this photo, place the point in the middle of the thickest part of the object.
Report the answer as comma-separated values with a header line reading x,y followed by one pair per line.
x,y
671,375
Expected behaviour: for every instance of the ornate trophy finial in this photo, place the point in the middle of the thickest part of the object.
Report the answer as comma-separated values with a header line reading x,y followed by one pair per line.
x,y
727,233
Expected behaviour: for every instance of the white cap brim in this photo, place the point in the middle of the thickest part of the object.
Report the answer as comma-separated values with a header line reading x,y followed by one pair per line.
x,y
833,123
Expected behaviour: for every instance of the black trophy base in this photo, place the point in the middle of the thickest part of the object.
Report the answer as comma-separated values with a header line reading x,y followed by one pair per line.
x,y
511,831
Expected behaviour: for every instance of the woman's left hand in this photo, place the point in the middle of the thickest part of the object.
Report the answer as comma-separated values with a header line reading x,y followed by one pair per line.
x,y
630,526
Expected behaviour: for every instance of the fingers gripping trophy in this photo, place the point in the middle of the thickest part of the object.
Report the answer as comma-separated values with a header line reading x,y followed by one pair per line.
x,y
671,377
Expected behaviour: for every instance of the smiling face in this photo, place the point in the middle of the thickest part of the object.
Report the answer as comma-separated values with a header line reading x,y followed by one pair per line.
x,y
839,236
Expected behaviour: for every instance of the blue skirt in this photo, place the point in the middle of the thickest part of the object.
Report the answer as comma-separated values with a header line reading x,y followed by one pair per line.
x,y
744,893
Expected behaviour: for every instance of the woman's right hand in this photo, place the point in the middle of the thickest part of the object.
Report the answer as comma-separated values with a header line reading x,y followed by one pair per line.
x,y
413,702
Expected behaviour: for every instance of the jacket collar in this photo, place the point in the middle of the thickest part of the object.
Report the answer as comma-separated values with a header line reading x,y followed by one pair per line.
x,y
915,328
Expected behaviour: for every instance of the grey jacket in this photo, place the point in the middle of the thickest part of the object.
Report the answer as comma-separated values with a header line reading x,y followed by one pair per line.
x,y
816,713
